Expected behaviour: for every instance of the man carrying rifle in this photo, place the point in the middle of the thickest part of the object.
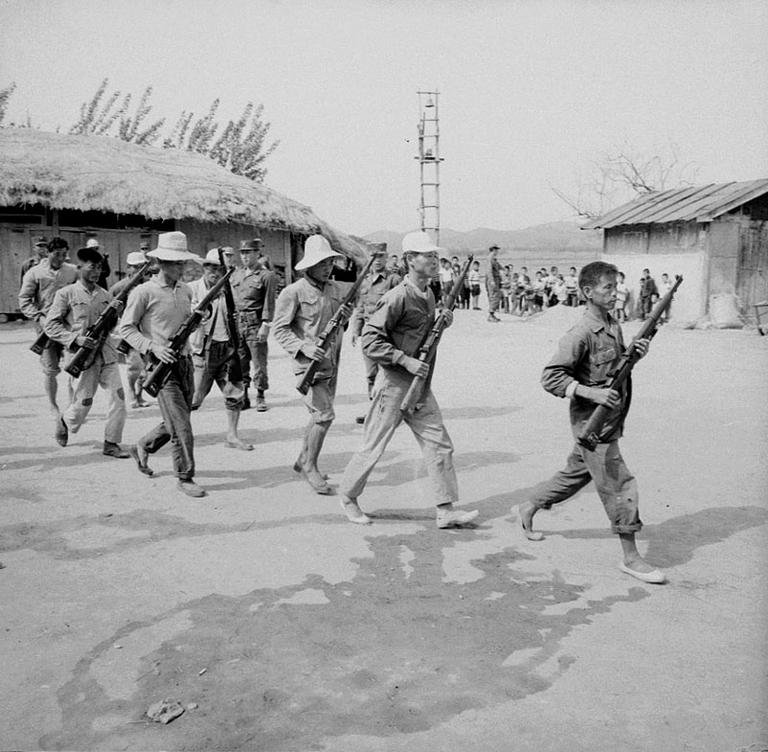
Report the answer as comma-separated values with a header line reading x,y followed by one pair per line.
x,y
213,351
155,311
580,370
134,262
378,281
36,295
75,308
302,311
392,338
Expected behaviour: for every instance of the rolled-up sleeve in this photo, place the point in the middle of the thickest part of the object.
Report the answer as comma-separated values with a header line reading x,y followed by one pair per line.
x,y
286,305
560,372
132,316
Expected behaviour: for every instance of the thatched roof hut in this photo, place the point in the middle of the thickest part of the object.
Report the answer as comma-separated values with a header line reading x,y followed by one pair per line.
x,y
99,173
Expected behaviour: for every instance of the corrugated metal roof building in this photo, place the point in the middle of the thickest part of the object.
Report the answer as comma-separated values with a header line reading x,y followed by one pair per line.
x,y
715,235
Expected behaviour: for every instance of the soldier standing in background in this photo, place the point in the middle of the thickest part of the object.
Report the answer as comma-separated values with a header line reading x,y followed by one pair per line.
x,y
41,251
254,288
379,280
493,284
38,288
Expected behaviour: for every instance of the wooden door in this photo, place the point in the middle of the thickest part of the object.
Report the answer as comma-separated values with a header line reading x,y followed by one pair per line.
x,y
752,274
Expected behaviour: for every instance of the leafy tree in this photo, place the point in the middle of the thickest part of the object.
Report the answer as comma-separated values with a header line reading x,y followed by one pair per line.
x,y
5,95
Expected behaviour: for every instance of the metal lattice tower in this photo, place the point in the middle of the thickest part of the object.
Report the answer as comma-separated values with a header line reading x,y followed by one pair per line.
x,y
429,163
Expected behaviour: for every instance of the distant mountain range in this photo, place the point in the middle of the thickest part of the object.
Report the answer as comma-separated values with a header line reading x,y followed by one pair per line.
x,y
550,240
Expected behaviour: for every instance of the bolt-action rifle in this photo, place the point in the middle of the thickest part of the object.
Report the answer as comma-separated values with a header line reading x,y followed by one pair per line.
x,y
589,437
100,329
333,327
428,349
158,372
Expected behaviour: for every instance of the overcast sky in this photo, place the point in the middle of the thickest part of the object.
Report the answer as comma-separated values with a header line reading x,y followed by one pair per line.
x,y
531,92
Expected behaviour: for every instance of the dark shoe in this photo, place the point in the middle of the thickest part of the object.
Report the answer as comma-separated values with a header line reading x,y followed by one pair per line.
x,y
114,450
144,468
360,419
261,405
61,434
190,488
246,403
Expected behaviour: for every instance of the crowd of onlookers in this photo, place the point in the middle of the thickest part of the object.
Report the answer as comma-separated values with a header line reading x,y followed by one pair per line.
x,y
523,293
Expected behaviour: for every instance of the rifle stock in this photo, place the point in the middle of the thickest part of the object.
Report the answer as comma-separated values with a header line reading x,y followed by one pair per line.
x,y
428,349
100,329
589,437
328,336
158,372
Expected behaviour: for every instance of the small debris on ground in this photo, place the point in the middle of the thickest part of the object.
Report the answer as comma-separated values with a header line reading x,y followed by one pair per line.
x,y
165,710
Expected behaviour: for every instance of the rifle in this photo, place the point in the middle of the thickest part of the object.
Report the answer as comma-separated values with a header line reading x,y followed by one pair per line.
x,y
235,369
39,344
158,372
332,328
589,437
100,329
428,348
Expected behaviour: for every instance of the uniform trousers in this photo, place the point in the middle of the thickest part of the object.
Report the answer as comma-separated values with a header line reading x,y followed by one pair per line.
x,y
175,401
426,423
106,376
615,485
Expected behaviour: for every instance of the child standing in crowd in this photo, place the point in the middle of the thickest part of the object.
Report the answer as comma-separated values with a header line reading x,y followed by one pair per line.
x,y
474,284
538,289
622,298
572,287
663,288
559,291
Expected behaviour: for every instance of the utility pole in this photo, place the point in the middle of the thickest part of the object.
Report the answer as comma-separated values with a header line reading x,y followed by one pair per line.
x,y
429,163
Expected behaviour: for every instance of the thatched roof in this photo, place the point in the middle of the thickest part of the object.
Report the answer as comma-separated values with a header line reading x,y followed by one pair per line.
x,y
100,173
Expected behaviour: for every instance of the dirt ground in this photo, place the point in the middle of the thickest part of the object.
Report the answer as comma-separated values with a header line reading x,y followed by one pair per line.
x,y
280,626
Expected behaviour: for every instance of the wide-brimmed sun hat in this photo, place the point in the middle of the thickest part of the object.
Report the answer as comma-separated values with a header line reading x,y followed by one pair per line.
x,y
419,242
316,249
92,243
135,258
172,246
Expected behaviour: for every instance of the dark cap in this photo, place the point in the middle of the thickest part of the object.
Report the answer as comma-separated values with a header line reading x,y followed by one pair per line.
x,y
251,245
89,255
40,240
494,248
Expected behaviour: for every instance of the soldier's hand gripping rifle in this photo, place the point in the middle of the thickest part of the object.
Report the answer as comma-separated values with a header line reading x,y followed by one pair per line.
x,y
39,344
589,437
333,327
428,349
235,369
158,371
97,332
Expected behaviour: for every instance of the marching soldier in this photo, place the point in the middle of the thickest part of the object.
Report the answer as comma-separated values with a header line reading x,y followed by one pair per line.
x,y
75,307
301,313
134,261
378,281
392,338
212,352
38,289
254,287
154,312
